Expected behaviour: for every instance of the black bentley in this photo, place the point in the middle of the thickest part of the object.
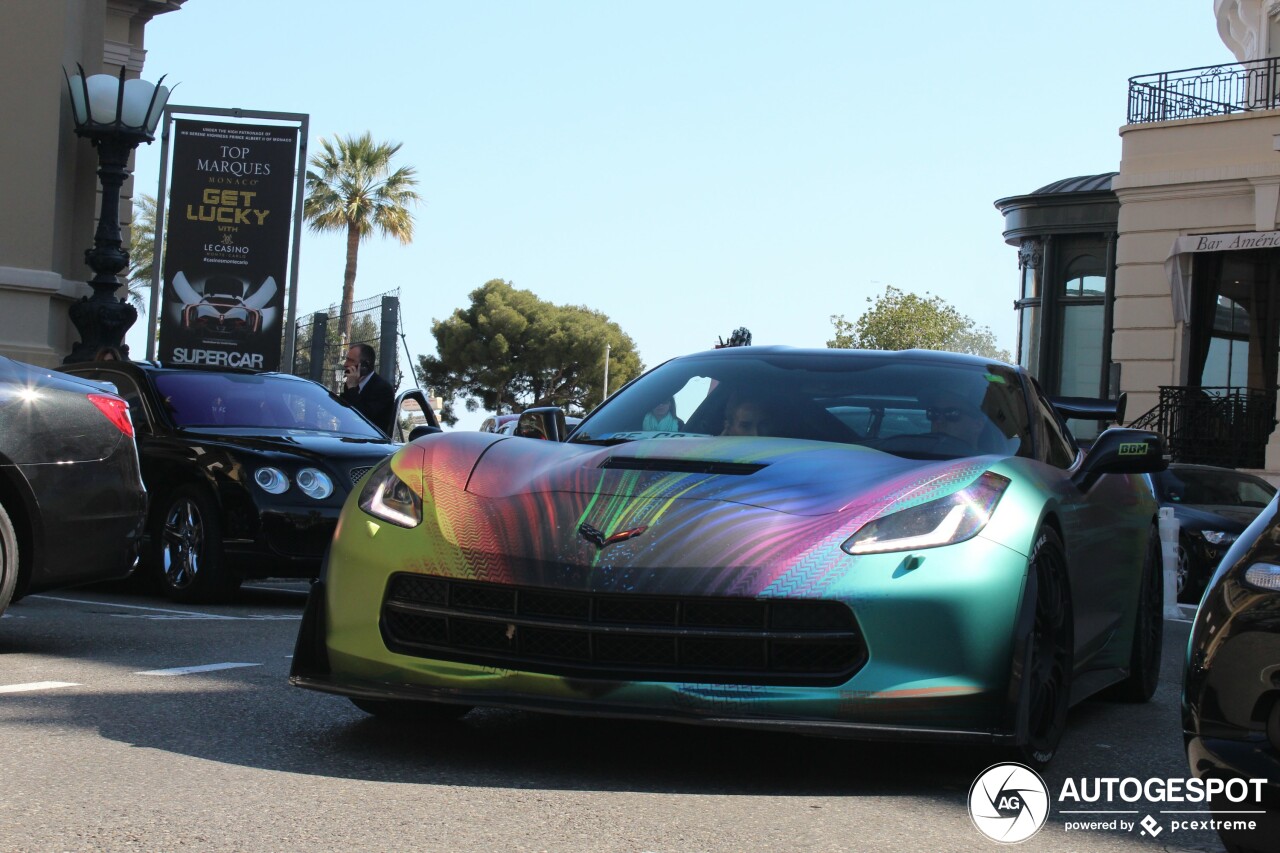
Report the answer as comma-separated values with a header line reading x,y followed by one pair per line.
x,y
246,471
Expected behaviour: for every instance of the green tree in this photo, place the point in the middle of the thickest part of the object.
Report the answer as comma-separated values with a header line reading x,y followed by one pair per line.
x,y
353,189
509,350
142,250
898,320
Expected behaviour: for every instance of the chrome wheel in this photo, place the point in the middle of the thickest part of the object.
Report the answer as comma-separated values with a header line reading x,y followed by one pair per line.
x,y
8,559
1184,569
188,548
182,544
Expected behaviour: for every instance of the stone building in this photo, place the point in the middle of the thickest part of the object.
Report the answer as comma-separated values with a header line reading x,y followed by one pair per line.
x,y
49,185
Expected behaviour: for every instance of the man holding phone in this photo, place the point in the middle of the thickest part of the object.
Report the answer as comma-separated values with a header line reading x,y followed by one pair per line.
x,y
366,391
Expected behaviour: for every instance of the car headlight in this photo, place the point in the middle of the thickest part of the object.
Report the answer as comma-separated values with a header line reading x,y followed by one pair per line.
x,y
1264,576
271,480
315,484
1218,537
945,521
389,498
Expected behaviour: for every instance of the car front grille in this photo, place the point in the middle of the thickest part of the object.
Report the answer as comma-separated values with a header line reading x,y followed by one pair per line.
x,y
357,473
618,636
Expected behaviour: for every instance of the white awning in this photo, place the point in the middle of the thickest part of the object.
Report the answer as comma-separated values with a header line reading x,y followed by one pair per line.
x,y
1177,267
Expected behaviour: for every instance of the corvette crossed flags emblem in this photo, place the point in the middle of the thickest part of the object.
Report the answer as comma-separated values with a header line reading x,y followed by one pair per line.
x,y
597,537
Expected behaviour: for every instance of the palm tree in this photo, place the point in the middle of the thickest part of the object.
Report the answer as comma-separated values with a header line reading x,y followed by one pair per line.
x,y
142,250
354,189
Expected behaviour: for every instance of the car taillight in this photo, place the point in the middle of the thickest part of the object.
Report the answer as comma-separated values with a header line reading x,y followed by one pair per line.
x,y
116,411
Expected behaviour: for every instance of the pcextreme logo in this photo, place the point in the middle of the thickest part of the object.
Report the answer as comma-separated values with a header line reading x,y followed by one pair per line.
x,y
1008,803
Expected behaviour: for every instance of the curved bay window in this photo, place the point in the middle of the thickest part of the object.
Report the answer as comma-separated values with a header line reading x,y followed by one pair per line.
x,y
1066,238
1082,327
1028,305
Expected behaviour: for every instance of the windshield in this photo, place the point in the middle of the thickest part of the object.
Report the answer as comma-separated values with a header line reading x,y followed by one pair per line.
x,y
1210,487
271,402
918,407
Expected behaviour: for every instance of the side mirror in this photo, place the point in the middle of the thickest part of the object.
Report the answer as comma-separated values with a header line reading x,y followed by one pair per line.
x,y
546,422
1120,450
414,412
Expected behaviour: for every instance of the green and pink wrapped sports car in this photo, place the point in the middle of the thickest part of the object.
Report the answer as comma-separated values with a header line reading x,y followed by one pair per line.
x,y
839,542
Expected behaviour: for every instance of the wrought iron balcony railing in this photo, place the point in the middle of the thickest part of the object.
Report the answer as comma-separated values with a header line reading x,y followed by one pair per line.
x,y
1207,91
1214,426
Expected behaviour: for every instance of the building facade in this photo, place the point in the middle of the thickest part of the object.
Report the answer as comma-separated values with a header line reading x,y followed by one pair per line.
x,y
1175,298
50,185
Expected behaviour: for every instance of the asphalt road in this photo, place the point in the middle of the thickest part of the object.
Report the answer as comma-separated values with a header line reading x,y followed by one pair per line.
x,y
132,724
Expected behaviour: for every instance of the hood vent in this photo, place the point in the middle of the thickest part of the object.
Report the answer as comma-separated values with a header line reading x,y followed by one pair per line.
x,y
681,466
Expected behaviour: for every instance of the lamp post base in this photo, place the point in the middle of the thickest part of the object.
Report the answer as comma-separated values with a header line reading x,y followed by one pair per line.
x,y
102,322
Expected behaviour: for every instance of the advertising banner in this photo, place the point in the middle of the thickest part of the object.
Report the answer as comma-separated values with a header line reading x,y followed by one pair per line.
x,y
227,247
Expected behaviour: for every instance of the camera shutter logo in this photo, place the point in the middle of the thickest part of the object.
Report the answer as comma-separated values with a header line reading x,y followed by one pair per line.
x,y
1008,803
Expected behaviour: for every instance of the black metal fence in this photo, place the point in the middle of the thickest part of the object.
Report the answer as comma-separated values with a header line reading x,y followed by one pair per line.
x,y
1214,426
318,351
1210,90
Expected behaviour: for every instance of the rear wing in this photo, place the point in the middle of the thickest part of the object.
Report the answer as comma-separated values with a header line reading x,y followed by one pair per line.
x,y
1090,408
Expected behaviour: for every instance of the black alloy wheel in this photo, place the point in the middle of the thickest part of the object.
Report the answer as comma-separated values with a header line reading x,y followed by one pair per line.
x,y
188,561
1148,630
1052,650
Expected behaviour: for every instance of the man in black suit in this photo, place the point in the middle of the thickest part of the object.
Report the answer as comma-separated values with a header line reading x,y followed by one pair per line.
x,y
366,391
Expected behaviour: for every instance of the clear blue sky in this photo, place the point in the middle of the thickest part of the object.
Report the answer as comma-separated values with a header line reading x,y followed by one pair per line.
x,y
690,167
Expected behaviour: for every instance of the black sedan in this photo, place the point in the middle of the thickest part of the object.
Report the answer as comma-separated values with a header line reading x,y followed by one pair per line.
x,y
247,471
1231,688
1213,506
71,498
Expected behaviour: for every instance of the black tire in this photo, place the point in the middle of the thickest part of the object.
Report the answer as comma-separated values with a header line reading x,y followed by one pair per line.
x,y
1148,631
408,710
1052,652
187,560
8,559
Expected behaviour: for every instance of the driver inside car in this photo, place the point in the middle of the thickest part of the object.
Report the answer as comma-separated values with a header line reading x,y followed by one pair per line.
x,y
747,416
952,414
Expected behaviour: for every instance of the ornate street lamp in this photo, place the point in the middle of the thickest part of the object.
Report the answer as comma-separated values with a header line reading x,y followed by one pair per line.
x,y
116,115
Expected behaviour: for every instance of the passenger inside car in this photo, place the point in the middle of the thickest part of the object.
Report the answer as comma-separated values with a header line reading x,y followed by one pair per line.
x,y
746,415
662,418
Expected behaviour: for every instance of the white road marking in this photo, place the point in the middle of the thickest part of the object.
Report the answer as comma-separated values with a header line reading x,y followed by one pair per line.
x,y
188,613
35,685
207,616
165,613
187,670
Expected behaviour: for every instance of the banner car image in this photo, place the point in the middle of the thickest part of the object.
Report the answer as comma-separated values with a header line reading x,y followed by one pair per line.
x,y
850,543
